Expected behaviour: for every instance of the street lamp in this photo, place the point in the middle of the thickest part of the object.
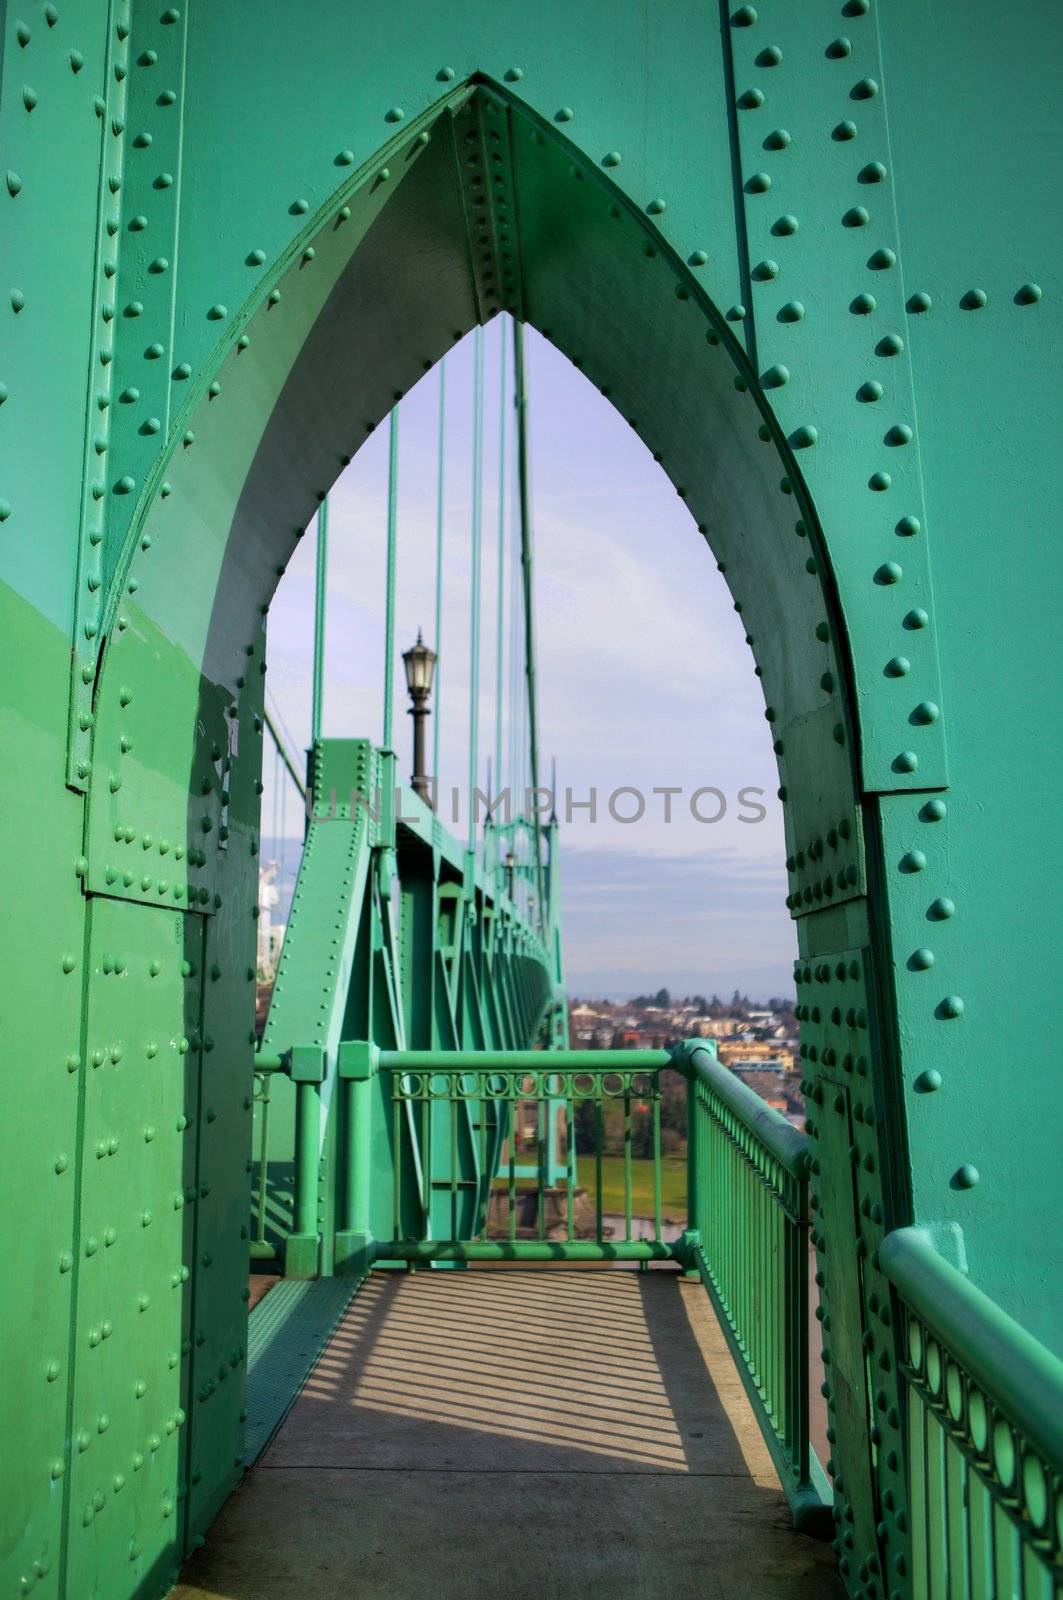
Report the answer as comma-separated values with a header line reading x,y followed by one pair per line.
x,y
419,663
511,864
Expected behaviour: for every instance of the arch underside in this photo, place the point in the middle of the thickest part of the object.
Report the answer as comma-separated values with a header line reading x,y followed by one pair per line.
x,y
488,211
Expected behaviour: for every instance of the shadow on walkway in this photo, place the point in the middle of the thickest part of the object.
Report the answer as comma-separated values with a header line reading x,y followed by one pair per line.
x,y
532,1434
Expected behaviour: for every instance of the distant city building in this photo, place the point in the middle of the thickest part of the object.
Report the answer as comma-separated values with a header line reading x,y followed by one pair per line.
x,y
270,933
758,1043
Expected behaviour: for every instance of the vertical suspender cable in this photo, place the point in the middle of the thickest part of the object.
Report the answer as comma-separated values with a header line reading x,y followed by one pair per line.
x,y
321,575
276,793
439,566
389,601
474,624
529,598
518,702
513,685
283,853
283,752
503,425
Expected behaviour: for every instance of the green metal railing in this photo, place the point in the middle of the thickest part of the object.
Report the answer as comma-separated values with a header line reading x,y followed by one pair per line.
x,y
984,1423
984,1436
747,1206
464,1126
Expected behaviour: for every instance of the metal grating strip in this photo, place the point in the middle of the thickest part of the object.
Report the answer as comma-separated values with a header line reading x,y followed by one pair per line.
x,y
287,1331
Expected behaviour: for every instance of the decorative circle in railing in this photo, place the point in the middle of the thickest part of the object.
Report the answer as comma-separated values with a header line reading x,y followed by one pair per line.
x,y
1035,1490
1004,1453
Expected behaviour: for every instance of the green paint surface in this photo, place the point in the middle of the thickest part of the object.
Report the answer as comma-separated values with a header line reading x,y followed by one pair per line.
x,y
806,252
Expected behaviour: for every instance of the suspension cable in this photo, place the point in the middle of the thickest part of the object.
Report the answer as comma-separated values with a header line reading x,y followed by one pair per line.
x,y
276,796
503,423
439,566
474,606
284,831
516,669
320,591
282,751
529,599
389,601
279,719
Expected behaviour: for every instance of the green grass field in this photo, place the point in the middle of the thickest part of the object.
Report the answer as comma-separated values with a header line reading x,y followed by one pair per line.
x,y
673,1185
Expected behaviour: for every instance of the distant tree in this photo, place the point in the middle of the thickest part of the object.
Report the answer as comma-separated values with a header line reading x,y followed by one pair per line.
x,y
584,1127
642,1136
673,1101
662,998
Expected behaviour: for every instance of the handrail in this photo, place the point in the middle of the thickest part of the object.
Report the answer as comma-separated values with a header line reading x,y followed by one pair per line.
x,y
780,1138
267,1061
747,1237
460,1120
593,1061
1018,1373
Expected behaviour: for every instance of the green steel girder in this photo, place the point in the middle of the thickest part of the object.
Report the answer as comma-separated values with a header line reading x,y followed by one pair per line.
x,y
756,231
349,971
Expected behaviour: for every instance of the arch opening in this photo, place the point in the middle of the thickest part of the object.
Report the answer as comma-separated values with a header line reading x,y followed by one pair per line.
x,y
480,207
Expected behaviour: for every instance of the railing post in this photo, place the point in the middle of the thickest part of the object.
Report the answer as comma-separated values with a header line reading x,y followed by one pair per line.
x,y
749,1238
358,1062
797,1311
261,1249
690,1238
302,1251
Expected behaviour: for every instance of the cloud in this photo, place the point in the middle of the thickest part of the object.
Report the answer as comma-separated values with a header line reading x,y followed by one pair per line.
x,y
707,923
644,675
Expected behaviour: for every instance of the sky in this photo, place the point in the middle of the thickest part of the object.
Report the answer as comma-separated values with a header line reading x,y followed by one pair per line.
x,y
645,680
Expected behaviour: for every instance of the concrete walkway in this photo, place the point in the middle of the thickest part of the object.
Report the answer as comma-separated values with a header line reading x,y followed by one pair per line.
x,y
533,1435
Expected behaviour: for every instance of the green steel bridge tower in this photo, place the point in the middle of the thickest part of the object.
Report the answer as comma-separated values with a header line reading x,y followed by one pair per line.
x,y
811,253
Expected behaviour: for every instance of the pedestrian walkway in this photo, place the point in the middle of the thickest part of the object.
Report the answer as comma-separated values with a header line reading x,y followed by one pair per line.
x,y
543,1435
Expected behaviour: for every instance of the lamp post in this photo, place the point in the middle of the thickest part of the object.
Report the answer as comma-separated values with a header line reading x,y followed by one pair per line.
x,y
511,863
419,663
